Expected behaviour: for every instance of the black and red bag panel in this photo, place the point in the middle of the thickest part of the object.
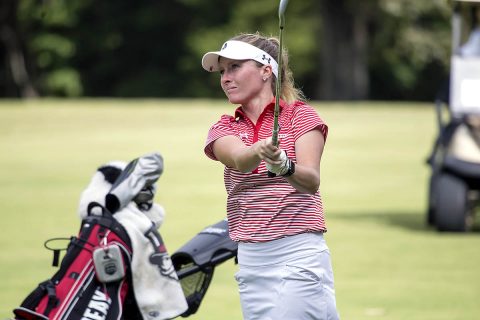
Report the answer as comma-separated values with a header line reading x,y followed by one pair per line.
x,y
75,292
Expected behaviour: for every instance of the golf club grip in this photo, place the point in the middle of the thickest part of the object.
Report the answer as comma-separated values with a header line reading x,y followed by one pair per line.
x,y
271,174
275,133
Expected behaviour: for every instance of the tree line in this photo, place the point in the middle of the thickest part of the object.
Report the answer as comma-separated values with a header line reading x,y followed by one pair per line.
x,y
339,49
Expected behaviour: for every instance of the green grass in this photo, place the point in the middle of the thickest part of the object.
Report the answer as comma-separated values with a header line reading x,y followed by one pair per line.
x,y
387,263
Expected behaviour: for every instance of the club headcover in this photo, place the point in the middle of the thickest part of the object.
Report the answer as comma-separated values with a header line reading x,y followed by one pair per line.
x,y
140,174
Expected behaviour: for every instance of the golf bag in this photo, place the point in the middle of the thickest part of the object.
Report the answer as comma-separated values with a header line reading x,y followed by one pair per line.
x,y
118,266
93,279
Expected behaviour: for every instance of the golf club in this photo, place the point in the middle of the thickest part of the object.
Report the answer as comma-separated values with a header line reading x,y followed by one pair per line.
x,y
278,87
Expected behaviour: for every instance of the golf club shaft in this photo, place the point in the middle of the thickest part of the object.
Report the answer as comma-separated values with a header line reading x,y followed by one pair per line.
x,y
278,86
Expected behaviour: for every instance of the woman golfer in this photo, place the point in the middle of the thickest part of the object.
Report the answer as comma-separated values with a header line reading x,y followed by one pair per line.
x,y
284,263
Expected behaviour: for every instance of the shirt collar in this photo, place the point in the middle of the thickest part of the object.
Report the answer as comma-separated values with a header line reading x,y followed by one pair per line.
x,y
270,106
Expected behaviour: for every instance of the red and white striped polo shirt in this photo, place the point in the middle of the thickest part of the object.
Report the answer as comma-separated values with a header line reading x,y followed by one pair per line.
x,y
260,208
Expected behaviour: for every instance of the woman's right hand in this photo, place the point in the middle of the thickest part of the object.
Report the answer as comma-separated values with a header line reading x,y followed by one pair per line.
x,y
265,150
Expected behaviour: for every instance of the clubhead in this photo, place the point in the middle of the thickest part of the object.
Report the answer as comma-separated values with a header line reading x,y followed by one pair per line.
x,y
281,11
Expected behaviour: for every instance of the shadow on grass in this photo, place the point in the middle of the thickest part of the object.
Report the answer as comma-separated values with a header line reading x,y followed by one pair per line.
x,y
413,221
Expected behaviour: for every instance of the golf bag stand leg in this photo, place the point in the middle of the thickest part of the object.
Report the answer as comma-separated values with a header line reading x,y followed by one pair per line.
x,y
196,260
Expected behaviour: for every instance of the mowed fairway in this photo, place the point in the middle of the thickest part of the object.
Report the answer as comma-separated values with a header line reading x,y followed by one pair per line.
x,y
388,264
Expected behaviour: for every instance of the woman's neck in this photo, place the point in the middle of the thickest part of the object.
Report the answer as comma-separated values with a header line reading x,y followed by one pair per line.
x,y
254,108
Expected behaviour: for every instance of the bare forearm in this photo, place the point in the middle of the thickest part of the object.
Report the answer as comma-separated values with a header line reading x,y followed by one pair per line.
x,y
308,151
305,179
245,159
233,153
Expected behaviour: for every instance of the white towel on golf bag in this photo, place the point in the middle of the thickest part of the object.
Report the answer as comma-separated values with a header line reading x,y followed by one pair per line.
x,y
157,289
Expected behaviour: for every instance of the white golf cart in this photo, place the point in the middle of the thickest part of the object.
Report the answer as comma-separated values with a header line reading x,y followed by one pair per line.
x,y
454,190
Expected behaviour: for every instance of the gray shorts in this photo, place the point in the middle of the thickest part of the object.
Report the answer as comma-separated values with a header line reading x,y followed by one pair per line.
x,y
289,278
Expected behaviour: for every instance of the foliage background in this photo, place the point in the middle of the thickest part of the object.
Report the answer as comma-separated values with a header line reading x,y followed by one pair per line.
x,y
150,48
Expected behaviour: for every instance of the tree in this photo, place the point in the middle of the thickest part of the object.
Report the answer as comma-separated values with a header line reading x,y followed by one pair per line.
x,y
410,49
16,79
339,49
344,70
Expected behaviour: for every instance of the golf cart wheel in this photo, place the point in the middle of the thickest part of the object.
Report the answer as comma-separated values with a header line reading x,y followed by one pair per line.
x,y
451,208
431,210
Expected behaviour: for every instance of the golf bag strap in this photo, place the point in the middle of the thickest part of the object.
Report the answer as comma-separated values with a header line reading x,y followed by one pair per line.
x,y
92,205
32,300
52,295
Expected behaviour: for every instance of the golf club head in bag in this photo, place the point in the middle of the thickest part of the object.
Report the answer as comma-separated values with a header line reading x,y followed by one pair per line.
x,y
196,260
136,182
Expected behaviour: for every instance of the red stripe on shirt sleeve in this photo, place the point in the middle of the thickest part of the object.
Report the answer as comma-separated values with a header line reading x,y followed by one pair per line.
x,y
220,129
306,119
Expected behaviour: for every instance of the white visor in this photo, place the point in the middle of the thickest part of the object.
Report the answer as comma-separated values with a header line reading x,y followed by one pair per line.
x,y
238,50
